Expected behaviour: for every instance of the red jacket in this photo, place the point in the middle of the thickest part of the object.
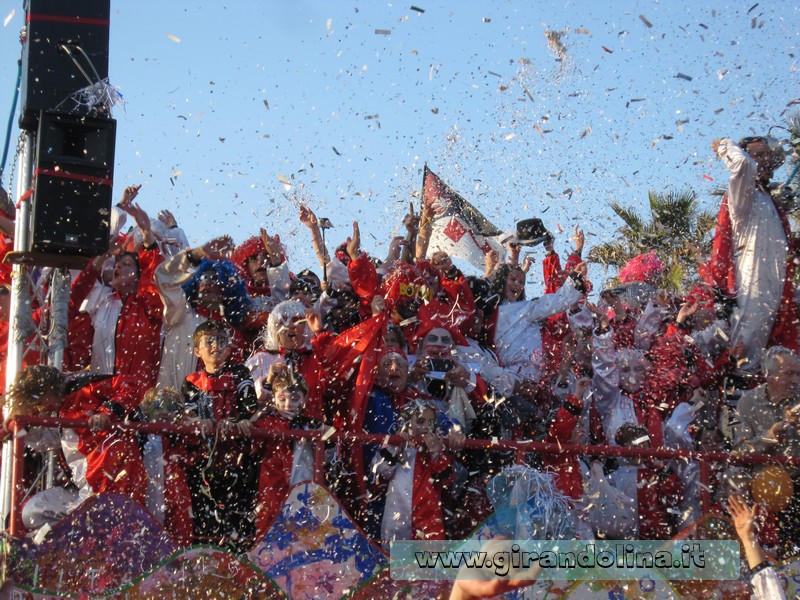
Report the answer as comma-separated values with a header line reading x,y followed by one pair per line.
x,y
138,335
657,492
113,460
275,473
432,476
678,368
569,479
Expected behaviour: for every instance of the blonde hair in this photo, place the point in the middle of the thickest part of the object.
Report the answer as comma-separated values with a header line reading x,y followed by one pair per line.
x,y
167,399
29,386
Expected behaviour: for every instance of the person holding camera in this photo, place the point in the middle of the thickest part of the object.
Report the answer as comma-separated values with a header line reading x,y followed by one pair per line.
x,y
455,390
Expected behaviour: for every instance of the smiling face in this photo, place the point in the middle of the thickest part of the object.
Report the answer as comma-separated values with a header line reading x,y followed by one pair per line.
x,y
761,153
632,372
437,343
423,422
256,267
442,263
392,373
292,335
515,285
290,401
783,378
213,350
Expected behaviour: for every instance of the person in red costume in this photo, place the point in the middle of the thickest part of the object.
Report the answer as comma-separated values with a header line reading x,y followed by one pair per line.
x,y
291,340
283,462
654,486
556,327
126,316
261,262
100,459
412,479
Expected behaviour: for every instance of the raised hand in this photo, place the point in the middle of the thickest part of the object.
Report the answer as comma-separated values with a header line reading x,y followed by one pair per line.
x,y
354,243
128,196
218,248
307,217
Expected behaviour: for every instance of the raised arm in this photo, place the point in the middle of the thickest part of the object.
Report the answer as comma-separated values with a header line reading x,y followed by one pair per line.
x,y
309,219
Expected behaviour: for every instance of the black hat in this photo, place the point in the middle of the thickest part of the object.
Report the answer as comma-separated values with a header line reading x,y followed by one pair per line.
x,y
531,232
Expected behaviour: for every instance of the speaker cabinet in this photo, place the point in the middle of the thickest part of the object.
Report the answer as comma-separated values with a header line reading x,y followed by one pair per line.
x,y
72,189
49,74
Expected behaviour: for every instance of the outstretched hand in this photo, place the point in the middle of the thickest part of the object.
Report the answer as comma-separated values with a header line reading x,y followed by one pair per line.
x,y
307,217
743,516
218,248
354,243
128,196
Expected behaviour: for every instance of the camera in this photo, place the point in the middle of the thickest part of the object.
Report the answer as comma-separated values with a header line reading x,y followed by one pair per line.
x,y
437,368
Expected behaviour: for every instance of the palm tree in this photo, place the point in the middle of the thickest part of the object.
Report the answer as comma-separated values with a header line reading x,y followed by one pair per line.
x,y
677,230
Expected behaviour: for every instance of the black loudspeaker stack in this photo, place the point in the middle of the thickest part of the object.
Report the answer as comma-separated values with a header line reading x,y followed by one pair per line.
x,y
67,50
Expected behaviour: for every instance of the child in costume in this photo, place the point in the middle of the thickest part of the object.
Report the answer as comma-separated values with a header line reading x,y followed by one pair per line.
x,y
221,399
165,460
283,462
413,478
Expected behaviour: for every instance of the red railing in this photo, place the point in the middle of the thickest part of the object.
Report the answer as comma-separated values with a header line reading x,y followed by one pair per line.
x,y
18,426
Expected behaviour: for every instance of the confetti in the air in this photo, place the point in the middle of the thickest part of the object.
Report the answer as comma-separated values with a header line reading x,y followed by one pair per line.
x,y
8,18
174,38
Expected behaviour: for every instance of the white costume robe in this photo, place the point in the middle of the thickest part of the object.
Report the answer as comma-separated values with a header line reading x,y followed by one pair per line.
x,y
760,252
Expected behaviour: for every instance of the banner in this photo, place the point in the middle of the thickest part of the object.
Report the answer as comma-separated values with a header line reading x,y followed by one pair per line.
x,y
458,227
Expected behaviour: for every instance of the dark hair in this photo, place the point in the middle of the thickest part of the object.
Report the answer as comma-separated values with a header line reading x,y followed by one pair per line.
x,y
629,432
135,258
210,328
305,284
486,297
309,274
287,379
752,139
500,276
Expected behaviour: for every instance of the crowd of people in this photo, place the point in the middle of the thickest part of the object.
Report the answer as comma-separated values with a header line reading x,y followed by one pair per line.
x,y
229,340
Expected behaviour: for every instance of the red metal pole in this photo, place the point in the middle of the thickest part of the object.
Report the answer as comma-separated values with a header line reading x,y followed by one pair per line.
x,y
17,481
705,490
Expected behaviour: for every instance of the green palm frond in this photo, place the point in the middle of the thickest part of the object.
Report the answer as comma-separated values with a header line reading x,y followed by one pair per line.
x,y
678,232
631,218
610,254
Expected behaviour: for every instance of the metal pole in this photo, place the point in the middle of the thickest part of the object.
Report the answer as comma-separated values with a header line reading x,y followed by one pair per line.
x,y
19,282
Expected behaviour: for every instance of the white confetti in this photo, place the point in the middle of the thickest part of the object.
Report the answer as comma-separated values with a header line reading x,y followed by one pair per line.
x,y
8,18
174,38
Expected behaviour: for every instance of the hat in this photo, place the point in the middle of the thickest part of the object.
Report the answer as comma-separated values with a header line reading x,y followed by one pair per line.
x,y
438,315
530,232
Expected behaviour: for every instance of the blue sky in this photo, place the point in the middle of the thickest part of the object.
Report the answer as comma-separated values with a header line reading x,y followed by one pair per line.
x,y
258,91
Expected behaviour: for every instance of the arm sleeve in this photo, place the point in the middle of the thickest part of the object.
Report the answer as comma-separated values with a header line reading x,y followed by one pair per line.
x,y
149,259
82,287
552,272
364,277
552,304
605,379
742,184
169,277
766,584
564,422
279,281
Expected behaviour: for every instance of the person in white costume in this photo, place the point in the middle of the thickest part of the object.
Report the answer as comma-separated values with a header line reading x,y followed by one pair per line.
x,y
758,244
